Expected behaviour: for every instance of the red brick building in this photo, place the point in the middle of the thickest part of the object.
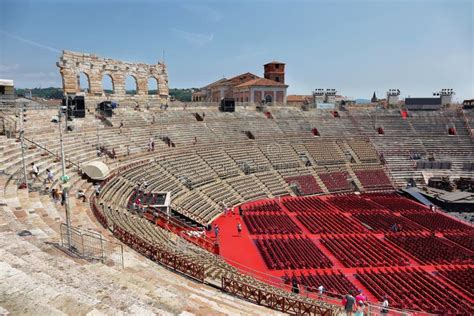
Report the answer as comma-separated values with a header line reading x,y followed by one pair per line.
x,y
248,87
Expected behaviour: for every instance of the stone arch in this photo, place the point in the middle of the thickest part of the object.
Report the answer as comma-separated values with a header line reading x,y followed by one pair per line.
x,y
153,86
131,84
71,64
83,82
108,84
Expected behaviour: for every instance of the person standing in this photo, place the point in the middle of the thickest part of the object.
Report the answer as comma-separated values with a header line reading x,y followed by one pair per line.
x,y
360,306
239,229
361,297
320,291
384,310
294,286
348,303
216,231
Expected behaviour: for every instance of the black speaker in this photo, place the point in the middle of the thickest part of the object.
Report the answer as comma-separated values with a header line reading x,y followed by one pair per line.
x,y
105,108
227,105
80,103
79,113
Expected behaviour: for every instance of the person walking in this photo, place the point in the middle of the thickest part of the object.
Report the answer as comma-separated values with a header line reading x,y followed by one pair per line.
x,y
34,170
348,303
49,176
239,229
120,127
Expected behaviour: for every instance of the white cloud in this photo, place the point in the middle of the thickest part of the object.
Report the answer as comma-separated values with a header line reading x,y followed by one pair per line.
x,y
198,39
30,42
8,68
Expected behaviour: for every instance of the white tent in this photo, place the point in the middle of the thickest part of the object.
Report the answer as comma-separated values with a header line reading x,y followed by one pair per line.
x,y
96,170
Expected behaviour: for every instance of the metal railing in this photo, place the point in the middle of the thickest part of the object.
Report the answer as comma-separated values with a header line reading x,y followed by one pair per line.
x,y
91,245
51,153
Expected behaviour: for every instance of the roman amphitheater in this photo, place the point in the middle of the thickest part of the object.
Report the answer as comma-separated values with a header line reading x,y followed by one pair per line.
x,y
157,193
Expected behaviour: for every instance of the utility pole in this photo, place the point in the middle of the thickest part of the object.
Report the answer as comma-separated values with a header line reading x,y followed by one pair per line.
x,y
64,178
22,144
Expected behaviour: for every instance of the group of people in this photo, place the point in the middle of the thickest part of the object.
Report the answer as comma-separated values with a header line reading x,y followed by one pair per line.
x,y
101,150
357,303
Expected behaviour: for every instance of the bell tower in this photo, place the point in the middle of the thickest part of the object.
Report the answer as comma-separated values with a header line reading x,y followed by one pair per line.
x,y
274,71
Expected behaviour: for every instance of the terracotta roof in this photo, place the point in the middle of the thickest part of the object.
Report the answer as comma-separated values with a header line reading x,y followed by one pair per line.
x,y
215,83
274,62
261,82
298,98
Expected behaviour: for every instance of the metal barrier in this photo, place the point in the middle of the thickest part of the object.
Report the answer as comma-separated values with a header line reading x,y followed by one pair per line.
x,y
91,245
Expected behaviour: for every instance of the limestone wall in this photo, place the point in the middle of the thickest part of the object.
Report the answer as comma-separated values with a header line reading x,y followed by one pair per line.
x,y
72,64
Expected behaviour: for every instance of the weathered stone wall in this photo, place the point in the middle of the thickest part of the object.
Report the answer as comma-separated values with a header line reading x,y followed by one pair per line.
x,y
72,64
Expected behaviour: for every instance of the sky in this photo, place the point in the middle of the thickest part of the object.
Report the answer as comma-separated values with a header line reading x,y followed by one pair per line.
x,y
356,47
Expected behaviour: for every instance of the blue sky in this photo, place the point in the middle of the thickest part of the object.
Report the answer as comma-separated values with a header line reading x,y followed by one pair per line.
x,y
354,46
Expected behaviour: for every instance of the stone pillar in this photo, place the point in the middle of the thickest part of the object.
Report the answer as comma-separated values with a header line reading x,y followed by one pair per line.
x,y
69,79
119,83
142,85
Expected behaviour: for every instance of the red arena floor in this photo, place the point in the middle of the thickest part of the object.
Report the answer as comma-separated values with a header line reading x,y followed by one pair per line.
x,y
382,244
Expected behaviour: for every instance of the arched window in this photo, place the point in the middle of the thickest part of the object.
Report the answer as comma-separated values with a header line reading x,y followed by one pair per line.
x,y
268,98
108,84
83,83
131,85
153,86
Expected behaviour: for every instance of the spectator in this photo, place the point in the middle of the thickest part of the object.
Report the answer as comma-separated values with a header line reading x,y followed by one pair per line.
x,y
241,212
361,297
113,153
63,198
81,196
320,291
239,229
360,307
152,144
97,189
137,204
49,176
384,310
348,303
120,127
55,195
34,170
294,286
149,143
98,151
128,150
394,228
216,231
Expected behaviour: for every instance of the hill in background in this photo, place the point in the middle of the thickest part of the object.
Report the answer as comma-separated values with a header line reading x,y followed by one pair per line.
x,y
57,93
